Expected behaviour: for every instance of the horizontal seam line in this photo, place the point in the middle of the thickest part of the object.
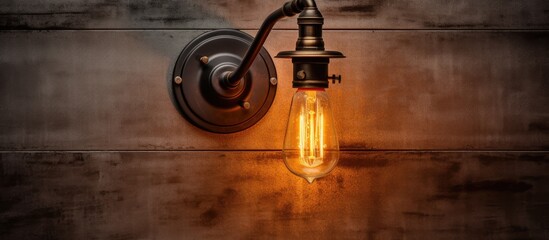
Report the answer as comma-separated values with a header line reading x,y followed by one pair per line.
x,y
271,150
290,29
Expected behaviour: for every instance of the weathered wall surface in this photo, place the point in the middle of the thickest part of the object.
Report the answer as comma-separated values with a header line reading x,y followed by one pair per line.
x,y
443,116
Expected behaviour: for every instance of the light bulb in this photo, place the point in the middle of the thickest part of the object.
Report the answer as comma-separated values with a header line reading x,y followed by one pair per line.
x,y
311,149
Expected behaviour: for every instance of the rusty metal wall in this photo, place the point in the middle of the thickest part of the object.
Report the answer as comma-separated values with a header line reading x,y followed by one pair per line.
x,y
443,118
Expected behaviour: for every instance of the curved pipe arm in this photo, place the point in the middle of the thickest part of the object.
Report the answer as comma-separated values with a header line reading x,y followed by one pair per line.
x,y
289,9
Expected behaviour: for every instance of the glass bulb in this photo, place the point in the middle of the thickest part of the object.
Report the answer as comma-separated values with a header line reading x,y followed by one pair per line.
x,y
311,149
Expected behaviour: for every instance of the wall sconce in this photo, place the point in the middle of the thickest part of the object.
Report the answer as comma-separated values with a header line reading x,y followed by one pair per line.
x,y
220,91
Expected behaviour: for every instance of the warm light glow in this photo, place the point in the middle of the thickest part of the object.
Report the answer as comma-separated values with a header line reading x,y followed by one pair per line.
x,y
301,136
311,149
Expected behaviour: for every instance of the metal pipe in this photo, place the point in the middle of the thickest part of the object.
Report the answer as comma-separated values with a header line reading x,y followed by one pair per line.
x,y
289,9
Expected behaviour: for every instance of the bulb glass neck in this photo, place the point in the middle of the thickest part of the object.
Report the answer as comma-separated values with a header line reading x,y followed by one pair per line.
x,y
311,89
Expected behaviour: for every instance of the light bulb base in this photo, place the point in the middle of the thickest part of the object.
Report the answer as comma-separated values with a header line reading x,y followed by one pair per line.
x,y
310,59
310,72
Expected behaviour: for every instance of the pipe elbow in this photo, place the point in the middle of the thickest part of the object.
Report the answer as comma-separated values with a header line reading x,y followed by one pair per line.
x,y
307,3
292,8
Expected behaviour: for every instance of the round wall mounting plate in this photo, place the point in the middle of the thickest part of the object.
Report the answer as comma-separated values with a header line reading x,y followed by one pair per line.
x,y
200,94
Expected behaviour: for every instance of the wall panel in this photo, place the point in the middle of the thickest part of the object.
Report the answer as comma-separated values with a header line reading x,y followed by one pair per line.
x,y
341,14
443,116
109,90
250,195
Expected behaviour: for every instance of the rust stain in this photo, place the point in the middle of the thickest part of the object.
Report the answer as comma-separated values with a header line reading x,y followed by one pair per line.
x,y
174,179
539,126
286,211
365,8
33,217
443,197
214,214
11,180
340,181
362,163
210,217
487,159
493,186
421,215
74,159
454,168
536,158
429,24
227,197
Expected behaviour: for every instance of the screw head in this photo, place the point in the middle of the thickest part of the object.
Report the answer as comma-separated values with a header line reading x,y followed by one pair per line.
x,y
301,74
246,105
178,80
204,59
273,81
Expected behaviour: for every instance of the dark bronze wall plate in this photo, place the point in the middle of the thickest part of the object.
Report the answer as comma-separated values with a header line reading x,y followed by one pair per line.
x,y
200,93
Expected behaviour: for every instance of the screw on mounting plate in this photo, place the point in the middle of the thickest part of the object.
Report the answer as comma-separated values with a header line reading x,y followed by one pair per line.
x,y
178,80
245,104
273,81
204,59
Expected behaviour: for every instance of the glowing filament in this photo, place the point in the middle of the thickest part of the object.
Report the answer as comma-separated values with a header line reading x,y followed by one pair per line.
x,y
311,128
311,133
301,136
319,131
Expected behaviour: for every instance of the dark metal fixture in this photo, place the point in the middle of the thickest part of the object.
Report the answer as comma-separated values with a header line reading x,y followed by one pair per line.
x,y
225,81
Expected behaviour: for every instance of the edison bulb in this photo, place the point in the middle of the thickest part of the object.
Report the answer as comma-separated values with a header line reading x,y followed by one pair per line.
x,y
311,148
